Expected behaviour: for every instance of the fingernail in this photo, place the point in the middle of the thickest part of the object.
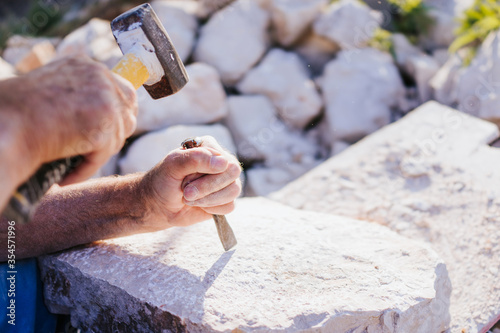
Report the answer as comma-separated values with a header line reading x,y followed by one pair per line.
x,y
217,162
190,192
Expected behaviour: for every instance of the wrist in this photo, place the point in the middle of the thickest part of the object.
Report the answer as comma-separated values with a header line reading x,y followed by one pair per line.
x,y
18,144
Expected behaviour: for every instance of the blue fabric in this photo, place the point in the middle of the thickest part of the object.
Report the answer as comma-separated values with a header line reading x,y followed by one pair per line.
x,y
30,314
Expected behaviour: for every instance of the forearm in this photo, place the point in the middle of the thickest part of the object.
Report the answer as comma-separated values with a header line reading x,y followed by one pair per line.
x,y
79,214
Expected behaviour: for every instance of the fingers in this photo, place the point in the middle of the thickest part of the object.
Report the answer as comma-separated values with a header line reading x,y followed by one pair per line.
x,y
183,162
208,184
220,210
224,196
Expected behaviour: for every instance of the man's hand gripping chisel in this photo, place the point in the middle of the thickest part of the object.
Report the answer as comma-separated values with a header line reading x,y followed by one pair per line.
x,y
149,59
226,234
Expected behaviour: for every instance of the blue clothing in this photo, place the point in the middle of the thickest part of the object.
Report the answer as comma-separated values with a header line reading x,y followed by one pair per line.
x,y
24,287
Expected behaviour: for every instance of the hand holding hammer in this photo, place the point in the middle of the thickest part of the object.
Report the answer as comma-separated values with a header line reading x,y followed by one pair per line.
x,y
149,59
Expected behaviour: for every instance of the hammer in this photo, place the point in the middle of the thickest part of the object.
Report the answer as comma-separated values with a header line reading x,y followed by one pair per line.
x,y
150,59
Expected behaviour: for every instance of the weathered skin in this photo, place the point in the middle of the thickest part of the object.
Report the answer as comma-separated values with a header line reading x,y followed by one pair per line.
x,y
70,107
78,107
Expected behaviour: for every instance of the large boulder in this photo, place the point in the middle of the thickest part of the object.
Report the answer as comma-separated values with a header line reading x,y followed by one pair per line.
x,y
291,18
283,78
94,39
202,100
180,25
291,271
234,39
151,148
349,23
431,176
360,88
477,87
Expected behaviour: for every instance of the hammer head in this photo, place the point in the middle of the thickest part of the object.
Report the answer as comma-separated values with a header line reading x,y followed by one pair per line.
x,y
140,29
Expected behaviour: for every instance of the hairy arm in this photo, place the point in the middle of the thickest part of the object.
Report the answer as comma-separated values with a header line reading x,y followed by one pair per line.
x,y
124,205
79,214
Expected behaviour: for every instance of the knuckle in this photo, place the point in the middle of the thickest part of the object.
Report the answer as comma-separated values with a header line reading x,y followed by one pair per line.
x,y
234,170
234,190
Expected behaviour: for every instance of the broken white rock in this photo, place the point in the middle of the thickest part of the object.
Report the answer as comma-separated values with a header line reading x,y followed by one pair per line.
x,y
340,275
445,80
254,126
234,39
419,176
349,23
28,53
6,70
259,134
94,39
478,86
291,18
151,148
202,100
283,78
209,7
180,25
360,88
418,65
316,51
444,15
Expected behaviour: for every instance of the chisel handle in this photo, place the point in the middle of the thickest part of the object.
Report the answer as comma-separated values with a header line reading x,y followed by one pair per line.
x,y
23,202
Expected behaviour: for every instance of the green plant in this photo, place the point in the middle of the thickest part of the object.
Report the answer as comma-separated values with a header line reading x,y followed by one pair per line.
x,y
478,21
382,40
411,18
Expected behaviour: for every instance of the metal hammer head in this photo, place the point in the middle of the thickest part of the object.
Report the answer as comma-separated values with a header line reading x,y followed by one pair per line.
x,y
140,31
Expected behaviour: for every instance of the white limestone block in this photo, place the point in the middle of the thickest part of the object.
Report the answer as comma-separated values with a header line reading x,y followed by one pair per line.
x,y
180,25
6,70
283,78
202,100
478,86
234,39
28,53
359,89
349,23
291,271
431,176
94,39
291,18
418,65
316,51
151,148
260,135
445,80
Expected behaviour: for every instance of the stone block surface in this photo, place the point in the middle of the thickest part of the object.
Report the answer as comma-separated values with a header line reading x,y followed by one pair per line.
x,y
292,271
431,176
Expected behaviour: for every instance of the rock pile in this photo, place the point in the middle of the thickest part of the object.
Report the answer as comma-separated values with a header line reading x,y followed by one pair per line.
x,y
293,81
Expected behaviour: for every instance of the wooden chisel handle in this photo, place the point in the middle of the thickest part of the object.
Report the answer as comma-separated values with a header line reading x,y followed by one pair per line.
x,y
23,202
